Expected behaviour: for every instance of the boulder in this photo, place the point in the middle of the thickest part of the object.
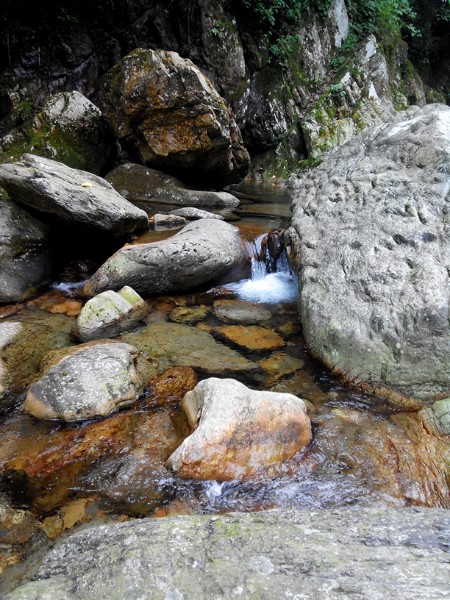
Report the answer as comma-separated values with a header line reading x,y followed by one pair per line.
x,y
161,222
202,252
370,238
239,432
110,313
146,186
71,197
69,129
90,381
24,253
167,111
269,554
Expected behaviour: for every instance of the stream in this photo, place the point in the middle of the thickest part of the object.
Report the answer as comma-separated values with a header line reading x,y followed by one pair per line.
x,y
364,453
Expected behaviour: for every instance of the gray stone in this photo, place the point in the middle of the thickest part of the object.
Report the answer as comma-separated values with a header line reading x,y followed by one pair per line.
x,y
192,214
91,381
110,313
370,238
238,432
169,112
160,221
24,254
365,554
73,197
236,311
141,184
200,253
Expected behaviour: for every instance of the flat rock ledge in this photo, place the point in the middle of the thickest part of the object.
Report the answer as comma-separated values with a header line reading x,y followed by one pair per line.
x,y
363,554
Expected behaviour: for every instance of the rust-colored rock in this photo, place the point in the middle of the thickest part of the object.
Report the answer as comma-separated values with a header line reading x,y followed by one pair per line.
x,y
169,112
251,337
172,385
239,433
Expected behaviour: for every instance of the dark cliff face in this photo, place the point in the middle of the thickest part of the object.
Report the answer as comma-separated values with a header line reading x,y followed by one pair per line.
x,y
270,87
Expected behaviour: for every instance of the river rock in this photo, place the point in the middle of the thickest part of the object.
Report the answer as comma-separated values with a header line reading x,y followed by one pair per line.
x,y
192,214
140,184
71,197
237,311
25,263
200,253
160,221
371,238
23,344
91,381
239,432
269,554
173,344
69,129
165,108
251,337
110,313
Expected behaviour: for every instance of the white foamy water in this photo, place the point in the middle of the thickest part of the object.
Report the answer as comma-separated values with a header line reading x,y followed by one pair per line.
x,y
272,288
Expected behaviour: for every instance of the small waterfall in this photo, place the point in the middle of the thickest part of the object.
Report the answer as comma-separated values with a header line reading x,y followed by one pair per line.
x,y
271,278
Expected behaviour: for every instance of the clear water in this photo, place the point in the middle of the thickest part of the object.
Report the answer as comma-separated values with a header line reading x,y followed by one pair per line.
x,y
356,456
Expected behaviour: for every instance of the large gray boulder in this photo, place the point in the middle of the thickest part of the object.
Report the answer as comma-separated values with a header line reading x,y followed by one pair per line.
x,y
371,241
24,253
238,432
90,381
167,110
201,252
72,197
148,187
365,554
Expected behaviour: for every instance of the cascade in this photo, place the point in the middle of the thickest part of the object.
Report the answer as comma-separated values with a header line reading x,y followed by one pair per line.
x,y
271,279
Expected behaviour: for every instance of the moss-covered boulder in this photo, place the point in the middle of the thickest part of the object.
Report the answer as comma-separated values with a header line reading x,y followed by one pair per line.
x,y
69,128
165,109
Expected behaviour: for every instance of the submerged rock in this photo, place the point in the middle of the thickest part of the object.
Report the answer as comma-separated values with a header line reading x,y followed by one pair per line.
x,y
237,311
143,185
110,313
25,263
251,337
23,344
238,432
370,234
69,196
269,554
172,344
91,381
200,253
168,111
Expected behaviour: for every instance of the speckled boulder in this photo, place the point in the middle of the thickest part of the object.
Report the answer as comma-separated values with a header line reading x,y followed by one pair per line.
x,y
91,381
